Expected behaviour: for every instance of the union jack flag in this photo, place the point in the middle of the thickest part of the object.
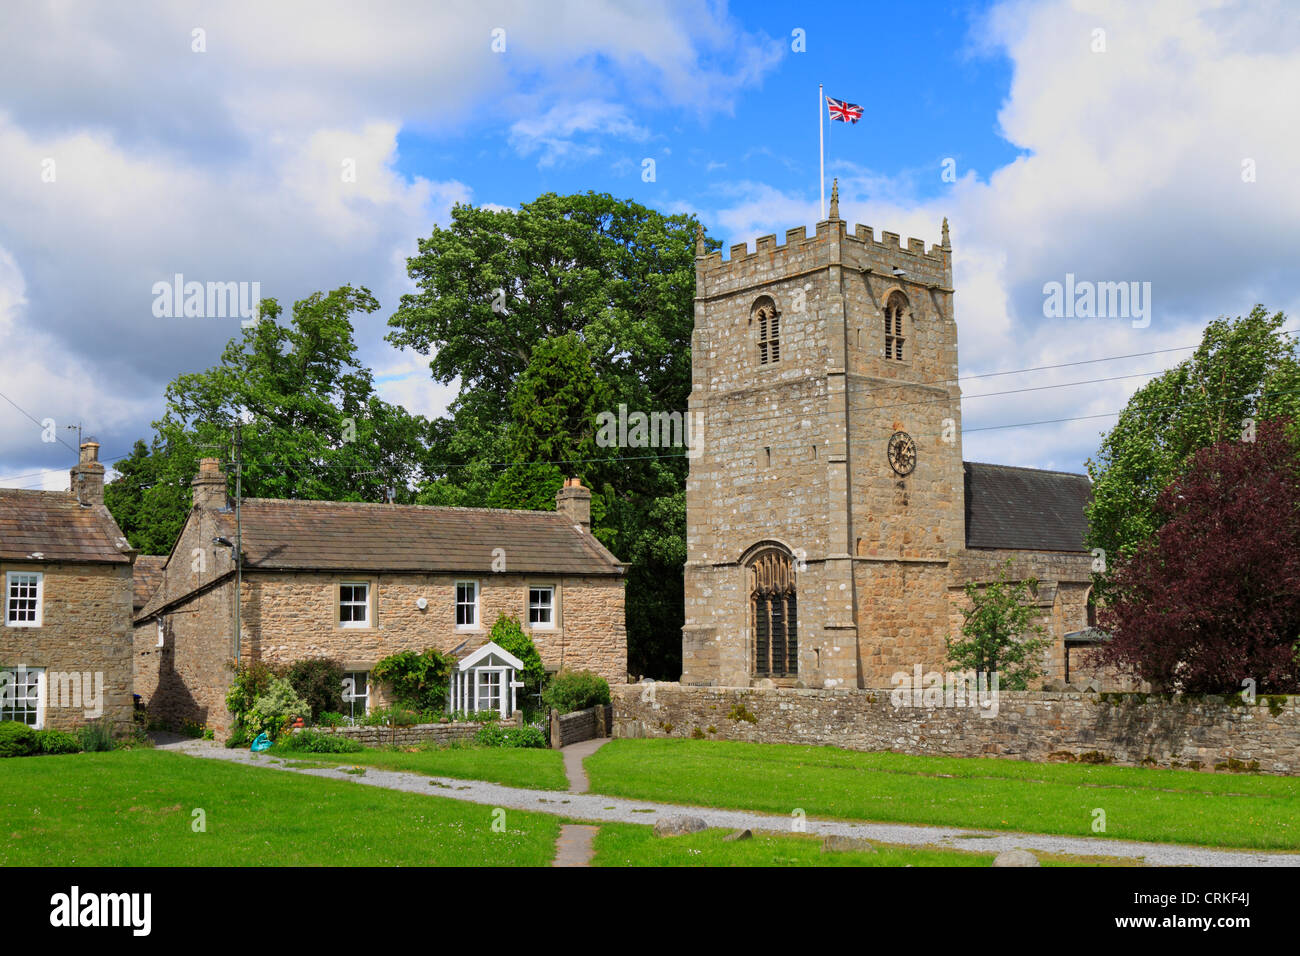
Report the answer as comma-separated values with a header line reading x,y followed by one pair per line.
x,y
842,112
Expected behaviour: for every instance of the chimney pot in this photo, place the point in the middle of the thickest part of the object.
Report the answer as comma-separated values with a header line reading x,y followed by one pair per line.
x,y
574,501
209,486
87,477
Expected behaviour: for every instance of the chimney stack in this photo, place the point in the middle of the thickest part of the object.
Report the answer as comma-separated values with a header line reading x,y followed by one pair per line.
x,y
88,475
574,502
209,486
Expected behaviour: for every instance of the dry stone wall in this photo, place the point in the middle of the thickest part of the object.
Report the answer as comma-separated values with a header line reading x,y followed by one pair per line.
x,y
1128,729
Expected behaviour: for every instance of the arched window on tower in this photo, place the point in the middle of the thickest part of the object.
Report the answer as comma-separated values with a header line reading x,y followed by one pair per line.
x,y
774,614
895,309
768,329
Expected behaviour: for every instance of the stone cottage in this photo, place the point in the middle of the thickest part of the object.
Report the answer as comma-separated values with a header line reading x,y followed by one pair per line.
x,y
65,648
358,582
832,522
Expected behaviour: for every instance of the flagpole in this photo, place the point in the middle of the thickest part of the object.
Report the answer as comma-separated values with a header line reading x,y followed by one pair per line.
x,y
821,140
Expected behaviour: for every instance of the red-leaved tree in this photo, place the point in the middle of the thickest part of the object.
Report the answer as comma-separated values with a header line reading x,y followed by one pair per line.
x,y
1214,597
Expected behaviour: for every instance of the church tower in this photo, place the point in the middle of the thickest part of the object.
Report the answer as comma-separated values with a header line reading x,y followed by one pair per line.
x,y
826,501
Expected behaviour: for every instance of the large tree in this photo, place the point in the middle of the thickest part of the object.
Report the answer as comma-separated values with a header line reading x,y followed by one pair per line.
x,y
310,422
546,315
1242,371
1213,597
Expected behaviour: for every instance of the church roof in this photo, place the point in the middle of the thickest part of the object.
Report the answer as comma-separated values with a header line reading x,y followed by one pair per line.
x,y
1024,508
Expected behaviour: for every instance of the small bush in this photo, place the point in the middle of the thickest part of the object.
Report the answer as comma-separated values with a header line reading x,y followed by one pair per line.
x,y
330,718
17,739
500,735
96,736
473,716
273,711
251,681
57,742
318,681
575,690
315,742
416,681
396,716
509,635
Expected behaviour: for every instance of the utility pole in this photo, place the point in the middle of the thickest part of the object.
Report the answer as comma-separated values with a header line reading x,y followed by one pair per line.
x,y
239,533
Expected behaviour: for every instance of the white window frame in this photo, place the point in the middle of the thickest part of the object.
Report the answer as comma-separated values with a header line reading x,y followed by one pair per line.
x,y
547,625
40,597
6,696
355,603
350,702
457,604
484,677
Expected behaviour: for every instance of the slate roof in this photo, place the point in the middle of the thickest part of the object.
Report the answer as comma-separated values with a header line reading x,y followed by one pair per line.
x,y
350,536
1024,508
147,574
54,525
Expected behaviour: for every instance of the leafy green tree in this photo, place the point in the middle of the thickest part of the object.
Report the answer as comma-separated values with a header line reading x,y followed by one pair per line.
x,y
999,634
1243,370
494,284
528,486
147,499
311,423
546,315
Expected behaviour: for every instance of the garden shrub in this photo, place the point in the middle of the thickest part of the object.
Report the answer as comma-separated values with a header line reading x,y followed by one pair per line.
x,y
416,681
509,635
575,690
503,735
330,718
315,742
17,739
57,742
96,736
272,713
252,680
318,681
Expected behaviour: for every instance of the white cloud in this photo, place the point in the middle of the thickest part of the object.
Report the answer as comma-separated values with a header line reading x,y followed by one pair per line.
x,y
553,133
229,164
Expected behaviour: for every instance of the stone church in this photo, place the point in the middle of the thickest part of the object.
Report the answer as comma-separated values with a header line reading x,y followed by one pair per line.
x,y
831,521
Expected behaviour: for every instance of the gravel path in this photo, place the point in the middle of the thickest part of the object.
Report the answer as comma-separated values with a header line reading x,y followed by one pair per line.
x,y
599,809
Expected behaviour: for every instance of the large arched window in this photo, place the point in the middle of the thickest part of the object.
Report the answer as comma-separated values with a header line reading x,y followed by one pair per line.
x,y
767,327
774,614
895,309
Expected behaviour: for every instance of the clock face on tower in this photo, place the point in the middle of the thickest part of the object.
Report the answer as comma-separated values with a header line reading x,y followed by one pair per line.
x,y
902,453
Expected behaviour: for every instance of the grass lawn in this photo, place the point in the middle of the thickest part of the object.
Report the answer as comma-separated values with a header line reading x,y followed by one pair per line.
x,y
1167,806
626,844
509,766
134,808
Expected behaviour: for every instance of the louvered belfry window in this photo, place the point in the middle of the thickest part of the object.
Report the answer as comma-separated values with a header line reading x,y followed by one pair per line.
x,y
769,331
774,612
894,309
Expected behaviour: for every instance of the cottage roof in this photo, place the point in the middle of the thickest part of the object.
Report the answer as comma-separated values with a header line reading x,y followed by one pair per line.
x,y
54,526
353,536
147,574
1025,508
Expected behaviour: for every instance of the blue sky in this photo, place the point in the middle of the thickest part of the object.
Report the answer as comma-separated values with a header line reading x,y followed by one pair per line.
x,y
938,93
1104,140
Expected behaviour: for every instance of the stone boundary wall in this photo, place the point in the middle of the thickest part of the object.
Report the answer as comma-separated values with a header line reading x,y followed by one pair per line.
x,y
406,736
1202,733
580,725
